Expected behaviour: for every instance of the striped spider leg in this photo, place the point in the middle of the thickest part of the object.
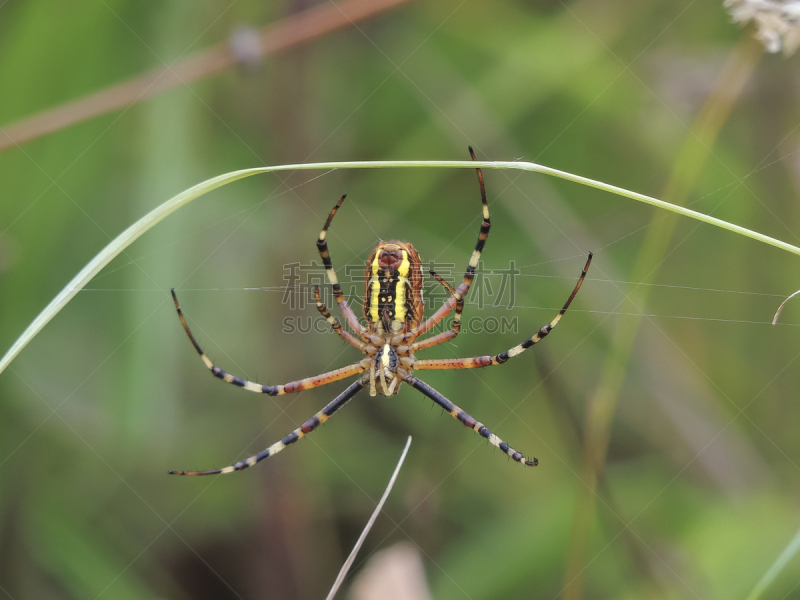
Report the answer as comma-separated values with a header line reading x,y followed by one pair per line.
x,y
445,336
468,420
499,359
306,428
278,390
457,296
322,246
337,328
270,390
483,361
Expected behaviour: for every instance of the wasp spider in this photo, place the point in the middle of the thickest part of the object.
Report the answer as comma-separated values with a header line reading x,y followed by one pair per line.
x,y
393,311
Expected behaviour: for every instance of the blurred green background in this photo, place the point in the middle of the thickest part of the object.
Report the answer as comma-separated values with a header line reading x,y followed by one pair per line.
x,y
701,483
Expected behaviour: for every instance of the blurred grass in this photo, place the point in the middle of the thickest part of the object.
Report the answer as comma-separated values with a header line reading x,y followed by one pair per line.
x,y
689,162
709,491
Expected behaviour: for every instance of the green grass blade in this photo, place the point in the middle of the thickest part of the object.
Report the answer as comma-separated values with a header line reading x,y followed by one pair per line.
x,y
107,254
127,237
788,553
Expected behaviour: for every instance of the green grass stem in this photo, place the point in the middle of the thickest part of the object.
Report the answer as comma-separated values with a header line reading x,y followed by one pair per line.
x,y
132,233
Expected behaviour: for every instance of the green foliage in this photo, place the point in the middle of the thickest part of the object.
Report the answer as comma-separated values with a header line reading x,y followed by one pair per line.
x,y
699,492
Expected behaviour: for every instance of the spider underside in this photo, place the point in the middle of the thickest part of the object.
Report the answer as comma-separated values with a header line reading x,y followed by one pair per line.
x,y
393,310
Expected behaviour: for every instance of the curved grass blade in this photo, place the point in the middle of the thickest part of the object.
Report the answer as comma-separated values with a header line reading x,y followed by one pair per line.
x,y
107,254
127,237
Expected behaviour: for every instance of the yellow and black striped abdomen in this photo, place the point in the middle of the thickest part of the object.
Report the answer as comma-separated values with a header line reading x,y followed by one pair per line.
x,y
393,292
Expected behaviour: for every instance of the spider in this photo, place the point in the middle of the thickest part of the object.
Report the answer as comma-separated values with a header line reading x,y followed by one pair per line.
x,y
393,310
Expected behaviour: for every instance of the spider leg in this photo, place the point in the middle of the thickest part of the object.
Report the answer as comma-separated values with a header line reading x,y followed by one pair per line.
x,y
498,359
459,303
372,390
345,335
306,428
445,336
460,292
467,420
270,390
322,246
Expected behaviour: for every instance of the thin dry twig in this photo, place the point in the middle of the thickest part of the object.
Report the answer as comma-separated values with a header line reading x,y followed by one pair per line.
x,y
286,33
780,308
350,559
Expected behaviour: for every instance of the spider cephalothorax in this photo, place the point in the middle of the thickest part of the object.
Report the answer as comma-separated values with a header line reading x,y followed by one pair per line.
x,y
393,310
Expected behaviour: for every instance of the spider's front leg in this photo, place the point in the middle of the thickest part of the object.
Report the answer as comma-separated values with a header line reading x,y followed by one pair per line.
x,y
270,390
345,335
468,420
457,296
322,246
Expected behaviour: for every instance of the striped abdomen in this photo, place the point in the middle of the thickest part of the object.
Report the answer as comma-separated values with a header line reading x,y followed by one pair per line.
x,y
393,292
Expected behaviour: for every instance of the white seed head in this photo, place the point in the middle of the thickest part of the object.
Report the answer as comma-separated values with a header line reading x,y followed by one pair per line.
x,y
777,22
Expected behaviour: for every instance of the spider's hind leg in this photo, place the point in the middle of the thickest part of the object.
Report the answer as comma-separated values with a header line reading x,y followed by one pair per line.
x,y
306,428
469,421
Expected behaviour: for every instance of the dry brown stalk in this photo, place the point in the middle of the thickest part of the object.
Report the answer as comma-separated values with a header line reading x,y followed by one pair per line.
x,y
281,35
